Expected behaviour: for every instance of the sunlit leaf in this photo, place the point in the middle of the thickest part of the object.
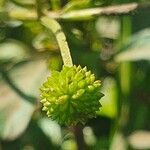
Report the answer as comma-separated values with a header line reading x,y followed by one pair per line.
x,y
137,48
108,27
82,4
118,142
51,129
78,4
109,101
15,114
140,139
15,110
14,23
13,51
69,144
29,76
21,13
89,136
45,41
24,2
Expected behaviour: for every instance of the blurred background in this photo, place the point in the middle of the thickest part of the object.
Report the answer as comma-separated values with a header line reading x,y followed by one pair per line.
x,y
113,42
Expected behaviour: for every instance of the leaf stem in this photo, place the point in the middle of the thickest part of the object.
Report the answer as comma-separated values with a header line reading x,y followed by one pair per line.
x,y
54,26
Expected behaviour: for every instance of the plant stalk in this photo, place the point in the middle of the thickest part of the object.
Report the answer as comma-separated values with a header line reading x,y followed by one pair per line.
x,y
78,133
54,26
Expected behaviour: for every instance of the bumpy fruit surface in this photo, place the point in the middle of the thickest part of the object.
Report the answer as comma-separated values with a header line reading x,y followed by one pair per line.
x,y
71,96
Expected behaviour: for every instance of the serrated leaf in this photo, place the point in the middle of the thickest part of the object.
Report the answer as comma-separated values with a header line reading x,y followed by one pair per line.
x,y
137,48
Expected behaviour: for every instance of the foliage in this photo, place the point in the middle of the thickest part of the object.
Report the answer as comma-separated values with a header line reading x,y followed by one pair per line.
x,y
112,40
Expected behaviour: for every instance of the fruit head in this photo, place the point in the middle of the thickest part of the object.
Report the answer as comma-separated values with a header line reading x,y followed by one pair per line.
x,y
71,95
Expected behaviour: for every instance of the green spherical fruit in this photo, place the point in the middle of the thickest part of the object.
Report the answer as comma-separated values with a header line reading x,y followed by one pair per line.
x,y
71,96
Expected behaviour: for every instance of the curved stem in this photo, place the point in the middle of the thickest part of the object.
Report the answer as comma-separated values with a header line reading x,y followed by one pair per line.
x,y
54,26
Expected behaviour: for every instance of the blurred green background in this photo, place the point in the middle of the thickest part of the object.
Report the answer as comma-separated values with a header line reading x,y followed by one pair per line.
x,y
115,46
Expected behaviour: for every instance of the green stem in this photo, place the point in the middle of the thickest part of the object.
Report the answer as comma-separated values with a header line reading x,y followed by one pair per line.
x,y
78,133
38,8
125,75
55,4
54,26
124,82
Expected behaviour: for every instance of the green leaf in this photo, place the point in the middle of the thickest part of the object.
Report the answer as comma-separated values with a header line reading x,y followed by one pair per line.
x,y
28,79
45,41
69,144
22,13
24,2
51,129
137,48
118,142
78,4
14,113
139,139
13,51
82,4
109,101
108,27
15,110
